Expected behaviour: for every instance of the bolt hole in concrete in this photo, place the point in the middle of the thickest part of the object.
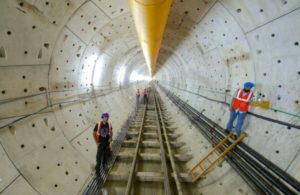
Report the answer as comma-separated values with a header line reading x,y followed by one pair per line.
x,y
42,88
22,146
239,10
3,91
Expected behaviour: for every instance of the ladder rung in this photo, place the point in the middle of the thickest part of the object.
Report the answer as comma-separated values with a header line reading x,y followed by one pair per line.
x,y
208,160
201,167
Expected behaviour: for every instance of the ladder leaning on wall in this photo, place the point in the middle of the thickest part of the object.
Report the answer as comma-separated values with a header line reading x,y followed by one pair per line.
x,y
208,161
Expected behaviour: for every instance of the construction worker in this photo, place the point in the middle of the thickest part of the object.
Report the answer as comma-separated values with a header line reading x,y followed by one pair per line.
x,y
137,95
146,94
239,108
103,137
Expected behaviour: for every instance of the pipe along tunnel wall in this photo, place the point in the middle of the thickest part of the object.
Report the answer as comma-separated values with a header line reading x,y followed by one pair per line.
x,y
62,63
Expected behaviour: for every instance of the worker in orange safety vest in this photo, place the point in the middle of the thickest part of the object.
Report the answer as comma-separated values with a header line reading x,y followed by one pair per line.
x,y
239,107
146,96
137,95
103,137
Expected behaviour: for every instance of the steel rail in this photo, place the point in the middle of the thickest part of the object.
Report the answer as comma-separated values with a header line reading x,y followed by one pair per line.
x,y
167,186
132,169
172,161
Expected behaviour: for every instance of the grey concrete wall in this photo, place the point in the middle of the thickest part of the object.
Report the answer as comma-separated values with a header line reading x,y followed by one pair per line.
x,y
235,42
60,64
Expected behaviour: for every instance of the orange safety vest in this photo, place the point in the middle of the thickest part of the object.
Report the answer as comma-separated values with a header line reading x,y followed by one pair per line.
x,y
241,102
99,129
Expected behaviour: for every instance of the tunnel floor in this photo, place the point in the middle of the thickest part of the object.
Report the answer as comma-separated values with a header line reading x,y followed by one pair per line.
x,y
149,160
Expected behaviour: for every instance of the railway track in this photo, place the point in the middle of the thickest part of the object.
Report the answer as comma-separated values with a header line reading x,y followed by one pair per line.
x,y
146,158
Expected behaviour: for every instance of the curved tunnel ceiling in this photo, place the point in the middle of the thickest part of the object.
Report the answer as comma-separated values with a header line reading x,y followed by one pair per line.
x,y
62,63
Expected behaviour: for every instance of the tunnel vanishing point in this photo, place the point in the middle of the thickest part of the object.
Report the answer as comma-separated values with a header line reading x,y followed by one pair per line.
x,y
65,62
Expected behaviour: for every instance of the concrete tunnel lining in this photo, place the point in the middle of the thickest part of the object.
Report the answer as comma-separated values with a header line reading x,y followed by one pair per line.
x,y
208,47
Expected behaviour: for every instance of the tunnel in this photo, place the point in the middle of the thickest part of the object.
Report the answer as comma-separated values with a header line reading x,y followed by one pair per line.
x,y
65,62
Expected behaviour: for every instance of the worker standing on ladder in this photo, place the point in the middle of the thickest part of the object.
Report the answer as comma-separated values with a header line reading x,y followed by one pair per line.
x,y
103,138
239,108
137,95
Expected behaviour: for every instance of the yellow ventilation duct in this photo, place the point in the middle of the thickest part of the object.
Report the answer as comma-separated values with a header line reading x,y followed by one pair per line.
x,y
150,18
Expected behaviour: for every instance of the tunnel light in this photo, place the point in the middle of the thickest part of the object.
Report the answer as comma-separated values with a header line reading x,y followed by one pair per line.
x,y
98,71
121,74
100,68
134,76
